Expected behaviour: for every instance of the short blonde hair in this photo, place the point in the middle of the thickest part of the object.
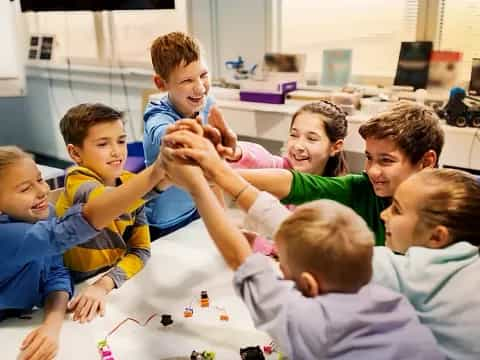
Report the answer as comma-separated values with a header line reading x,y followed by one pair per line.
x,y
171,50
451,199
330,240
9,155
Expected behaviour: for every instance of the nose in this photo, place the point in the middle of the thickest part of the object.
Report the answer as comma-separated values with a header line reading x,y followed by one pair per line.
x,y
385,214
373,170
41,189
199,87
115,150
298,144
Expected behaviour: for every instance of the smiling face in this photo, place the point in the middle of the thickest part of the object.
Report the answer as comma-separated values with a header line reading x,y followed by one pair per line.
x,y
23,194
187,87
403,227
104,150
308,146
387,166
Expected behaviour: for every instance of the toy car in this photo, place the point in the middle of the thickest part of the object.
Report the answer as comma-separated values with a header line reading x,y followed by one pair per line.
x,y
252,353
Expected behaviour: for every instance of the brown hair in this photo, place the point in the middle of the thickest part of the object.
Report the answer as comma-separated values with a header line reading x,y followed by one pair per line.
x,y
336,125
452,199
76,122
9,155
171,50
331,240
415,129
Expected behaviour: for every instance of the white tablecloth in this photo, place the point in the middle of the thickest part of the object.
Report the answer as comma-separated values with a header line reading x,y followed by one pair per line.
x,y
182,265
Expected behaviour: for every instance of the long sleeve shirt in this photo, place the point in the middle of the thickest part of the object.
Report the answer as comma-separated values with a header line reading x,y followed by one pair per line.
x,y
374,323
443,286
31,257
123,247
353,190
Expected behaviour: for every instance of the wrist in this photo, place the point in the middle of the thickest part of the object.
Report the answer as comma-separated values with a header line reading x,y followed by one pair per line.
x,y
105,283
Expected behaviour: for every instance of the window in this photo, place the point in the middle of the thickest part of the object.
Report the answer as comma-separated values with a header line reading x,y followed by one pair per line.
x,y
373,29
76,32
135,31
459,30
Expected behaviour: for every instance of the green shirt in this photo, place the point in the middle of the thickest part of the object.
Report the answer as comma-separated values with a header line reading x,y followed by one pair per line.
x,y
352,190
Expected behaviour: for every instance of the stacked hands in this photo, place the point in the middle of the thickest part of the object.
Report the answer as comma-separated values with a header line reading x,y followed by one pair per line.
x,y
192,152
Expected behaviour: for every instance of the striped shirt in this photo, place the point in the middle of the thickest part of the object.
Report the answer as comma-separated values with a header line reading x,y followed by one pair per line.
x,y
122,248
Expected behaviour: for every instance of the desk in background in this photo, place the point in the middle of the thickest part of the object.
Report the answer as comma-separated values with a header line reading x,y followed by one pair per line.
x,y
53,176
182,265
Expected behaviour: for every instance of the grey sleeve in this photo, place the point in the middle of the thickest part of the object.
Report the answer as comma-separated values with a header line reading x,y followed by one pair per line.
x,y
280,310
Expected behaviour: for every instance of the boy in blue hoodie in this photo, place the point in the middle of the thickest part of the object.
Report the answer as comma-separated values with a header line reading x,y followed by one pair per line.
x,y
181,72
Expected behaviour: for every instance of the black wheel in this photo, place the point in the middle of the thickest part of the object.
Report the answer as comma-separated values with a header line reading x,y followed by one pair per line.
x,y
476,121
461,121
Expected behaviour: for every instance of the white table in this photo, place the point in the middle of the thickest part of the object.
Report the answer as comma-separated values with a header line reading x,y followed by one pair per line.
x,y
182,265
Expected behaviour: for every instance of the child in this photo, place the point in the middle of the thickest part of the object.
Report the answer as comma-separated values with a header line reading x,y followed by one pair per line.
x,y
314,146
325,307
33,241
180,71
433,220
96,141
398,143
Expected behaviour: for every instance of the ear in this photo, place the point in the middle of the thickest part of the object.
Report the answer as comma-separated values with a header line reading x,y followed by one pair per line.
x,y
439,238
336,147
308,285
159,82
74,153
429,159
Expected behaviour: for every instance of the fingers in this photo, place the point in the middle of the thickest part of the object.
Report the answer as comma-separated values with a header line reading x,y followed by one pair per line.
x,y
73,303
27,341
34,347
193,125
212,134
182,137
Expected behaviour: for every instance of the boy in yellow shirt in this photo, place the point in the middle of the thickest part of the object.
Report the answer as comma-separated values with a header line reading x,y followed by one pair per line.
x,y
96,140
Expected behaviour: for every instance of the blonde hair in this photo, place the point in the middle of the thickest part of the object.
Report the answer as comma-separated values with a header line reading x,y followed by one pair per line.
x,y
452,199
9,155
329,239
415,129
171,50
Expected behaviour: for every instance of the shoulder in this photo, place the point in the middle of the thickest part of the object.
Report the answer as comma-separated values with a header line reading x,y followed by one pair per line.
x,y
160,111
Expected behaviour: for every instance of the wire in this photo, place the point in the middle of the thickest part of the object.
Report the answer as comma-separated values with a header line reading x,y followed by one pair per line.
x,y
470,153
131,319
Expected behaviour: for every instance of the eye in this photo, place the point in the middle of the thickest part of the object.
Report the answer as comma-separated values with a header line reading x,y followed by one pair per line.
x,y
26,188
40,180
204,76
186,81
293,135
386,161
122,141
313,138
102,144
395,210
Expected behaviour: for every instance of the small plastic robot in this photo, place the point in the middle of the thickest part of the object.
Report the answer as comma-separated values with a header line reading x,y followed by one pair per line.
x,y
205,355
188,312
166,320
252,353
204,301
104,350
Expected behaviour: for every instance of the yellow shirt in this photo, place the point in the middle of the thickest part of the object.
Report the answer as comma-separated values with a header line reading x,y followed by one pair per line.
x,y
123,246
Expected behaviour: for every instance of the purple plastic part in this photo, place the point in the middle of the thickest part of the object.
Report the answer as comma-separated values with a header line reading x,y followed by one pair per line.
x,y
263,97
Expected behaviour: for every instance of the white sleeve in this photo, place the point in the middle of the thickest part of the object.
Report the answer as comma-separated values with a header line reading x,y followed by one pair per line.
x,y
266,214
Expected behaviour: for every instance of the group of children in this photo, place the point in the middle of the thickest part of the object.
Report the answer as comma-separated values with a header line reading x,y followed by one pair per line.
x,y
381,264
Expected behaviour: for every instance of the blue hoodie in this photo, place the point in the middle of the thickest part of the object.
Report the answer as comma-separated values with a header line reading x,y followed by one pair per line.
x,y
31,257
173,205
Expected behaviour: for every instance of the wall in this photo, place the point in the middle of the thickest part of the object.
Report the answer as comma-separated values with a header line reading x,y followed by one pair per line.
x,y
226,29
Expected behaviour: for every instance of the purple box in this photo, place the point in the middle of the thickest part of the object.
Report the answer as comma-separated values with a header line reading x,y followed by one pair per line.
x,y
263,97
270,97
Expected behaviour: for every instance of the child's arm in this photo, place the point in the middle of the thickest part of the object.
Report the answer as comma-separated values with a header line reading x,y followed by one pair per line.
x,y
249,155
230,242
103,209
42,343
91,301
